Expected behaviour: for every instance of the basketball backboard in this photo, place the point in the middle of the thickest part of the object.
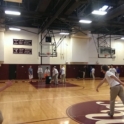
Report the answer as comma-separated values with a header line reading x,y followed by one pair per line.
x,y
48,50
105,52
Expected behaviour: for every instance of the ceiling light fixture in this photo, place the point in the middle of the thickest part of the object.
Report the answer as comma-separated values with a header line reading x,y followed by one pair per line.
x,y
15,29
64,33
12,12
85,21
122,38
101,11
98,12
104,8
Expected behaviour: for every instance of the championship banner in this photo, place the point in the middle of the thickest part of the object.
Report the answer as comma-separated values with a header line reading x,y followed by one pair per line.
x,y
22,51
22,42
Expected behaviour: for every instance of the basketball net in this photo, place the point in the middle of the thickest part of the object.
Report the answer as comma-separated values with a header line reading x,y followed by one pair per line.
x,y
48,54
106,55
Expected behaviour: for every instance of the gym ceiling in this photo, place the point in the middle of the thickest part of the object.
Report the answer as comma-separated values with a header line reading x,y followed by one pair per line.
x,y
65,15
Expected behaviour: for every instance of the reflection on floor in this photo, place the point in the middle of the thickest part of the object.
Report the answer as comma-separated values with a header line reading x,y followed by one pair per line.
x,y
52,85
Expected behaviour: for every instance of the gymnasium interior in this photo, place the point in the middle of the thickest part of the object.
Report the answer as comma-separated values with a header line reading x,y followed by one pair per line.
x,y
55,33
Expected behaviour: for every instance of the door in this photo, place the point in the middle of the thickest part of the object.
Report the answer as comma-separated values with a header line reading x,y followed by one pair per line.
x,y
22,71
12,71
4,72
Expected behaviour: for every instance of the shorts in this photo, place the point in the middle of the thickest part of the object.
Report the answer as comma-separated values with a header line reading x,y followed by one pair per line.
x,y
30,76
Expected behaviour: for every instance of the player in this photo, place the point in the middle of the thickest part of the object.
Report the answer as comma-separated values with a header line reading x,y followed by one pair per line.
x,y
113,70
93,72
40,73
30,72
63,74
116,88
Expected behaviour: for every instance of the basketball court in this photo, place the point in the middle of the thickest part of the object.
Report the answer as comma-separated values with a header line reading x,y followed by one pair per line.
x,y
24,104
51,58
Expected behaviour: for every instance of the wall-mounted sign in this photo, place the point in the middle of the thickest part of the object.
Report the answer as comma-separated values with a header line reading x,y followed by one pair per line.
x,y
22,51
22,42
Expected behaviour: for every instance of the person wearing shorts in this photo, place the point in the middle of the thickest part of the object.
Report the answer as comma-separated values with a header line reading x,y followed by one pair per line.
x,y
30,72
40,72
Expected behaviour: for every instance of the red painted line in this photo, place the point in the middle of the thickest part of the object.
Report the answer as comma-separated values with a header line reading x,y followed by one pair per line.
x,y
42,120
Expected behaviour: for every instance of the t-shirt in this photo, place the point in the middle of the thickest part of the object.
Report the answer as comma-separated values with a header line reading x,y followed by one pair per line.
x,y
30,71
113,70
110,80
47,71
55,71
93,70
40,70
62,71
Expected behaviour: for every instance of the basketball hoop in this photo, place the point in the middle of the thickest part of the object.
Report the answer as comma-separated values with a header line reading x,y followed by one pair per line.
x,y
48,54
106,55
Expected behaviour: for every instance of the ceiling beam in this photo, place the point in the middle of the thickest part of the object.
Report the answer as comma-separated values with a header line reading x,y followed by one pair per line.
x,y
42,6
97,24
75,5
66,2
115,13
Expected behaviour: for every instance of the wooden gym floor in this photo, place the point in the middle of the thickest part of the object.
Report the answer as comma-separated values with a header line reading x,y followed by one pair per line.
x,y
24,104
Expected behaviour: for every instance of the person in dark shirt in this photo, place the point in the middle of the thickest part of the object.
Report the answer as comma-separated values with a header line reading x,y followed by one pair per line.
x,y
30,72
90,71
117,72
84,71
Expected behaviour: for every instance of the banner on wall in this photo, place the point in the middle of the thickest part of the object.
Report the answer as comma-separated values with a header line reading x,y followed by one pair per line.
x,y
22,51
22,42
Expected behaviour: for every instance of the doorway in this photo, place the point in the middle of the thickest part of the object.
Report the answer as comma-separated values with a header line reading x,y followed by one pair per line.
x,y
12,71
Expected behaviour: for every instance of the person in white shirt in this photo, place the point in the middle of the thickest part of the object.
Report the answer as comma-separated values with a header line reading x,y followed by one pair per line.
x,y
113,70
116,88
93,73
40,72
63,74
55,75
47,72
84,71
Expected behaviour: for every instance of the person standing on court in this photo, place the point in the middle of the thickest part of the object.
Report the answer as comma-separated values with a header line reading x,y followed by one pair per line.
x,y
117,72
47,75
40,73
47,72
84,71
8,84
116,88
90,71
55,75
112,69
30,72
93,72
63,74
